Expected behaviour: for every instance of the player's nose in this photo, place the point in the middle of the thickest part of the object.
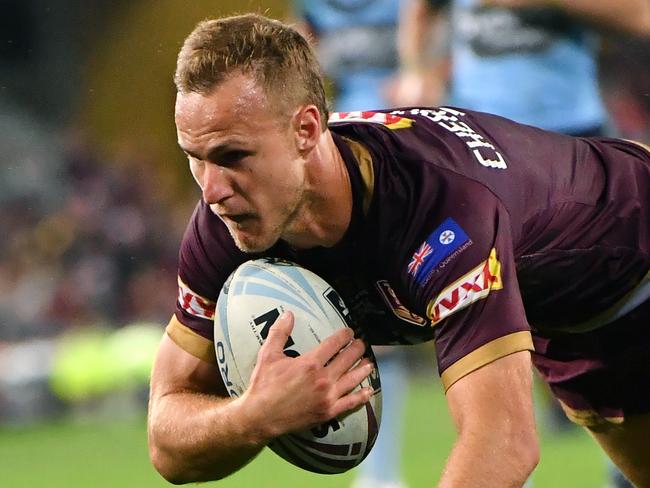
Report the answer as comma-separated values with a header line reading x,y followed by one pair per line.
x,y
216,185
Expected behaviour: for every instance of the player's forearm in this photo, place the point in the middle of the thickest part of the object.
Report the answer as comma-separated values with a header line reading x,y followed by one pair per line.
x,y
413,34
483,460
497,442
195,437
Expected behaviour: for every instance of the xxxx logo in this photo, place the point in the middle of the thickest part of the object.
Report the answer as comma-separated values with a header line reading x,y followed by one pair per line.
x,y
193,303
469,288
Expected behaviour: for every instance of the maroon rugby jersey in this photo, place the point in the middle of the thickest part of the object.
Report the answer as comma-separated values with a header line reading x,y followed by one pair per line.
x,y
467,228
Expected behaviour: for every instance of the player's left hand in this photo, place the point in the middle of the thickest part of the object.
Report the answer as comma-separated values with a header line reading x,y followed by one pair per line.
x,y
288,394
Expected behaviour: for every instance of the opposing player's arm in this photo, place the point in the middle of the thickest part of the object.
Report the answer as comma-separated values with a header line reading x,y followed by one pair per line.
x,y
197,434
493,413
413,35
423,64
630,16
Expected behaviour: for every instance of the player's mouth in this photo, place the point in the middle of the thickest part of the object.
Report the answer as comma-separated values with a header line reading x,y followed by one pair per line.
x,y
238,219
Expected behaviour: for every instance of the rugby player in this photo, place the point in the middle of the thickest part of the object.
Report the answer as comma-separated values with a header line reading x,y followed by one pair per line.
x,y
505,244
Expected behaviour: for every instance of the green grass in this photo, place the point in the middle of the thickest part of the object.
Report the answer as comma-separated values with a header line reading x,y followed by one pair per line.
x,y
114,455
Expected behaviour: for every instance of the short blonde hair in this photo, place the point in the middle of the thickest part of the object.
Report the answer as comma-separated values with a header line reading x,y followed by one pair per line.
x,y
279,58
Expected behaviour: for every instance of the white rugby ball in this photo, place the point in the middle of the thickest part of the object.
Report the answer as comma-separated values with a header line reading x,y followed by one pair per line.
x,y
251,300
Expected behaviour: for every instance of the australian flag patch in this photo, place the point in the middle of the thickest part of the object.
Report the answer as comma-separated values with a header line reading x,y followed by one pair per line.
x,y
440,244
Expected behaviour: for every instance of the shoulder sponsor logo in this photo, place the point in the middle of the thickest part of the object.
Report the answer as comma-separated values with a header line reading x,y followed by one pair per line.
x,y
193,303
389,120
444,241
469,288
400,311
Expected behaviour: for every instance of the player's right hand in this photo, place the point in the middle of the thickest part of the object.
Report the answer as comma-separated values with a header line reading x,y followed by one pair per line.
x,y
293,394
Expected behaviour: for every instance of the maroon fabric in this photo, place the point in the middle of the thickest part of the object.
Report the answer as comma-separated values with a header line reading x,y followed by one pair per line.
x,y
568,218
605,370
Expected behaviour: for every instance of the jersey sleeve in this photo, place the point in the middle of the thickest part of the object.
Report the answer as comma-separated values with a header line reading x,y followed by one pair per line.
x,y
463,278
206,258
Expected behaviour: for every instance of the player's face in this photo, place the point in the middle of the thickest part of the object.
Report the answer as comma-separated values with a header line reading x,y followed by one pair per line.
x,y
244,158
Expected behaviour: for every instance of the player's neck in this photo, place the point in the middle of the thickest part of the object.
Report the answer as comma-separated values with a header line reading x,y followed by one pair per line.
x,y
327,210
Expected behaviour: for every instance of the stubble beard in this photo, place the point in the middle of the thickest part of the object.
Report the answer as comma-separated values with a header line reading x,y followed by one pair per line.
x,y
266,239
256,244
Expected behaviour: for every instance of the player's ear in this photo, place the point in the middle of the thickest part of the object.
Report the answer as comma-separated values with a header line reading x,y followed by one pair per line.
x,y
307,126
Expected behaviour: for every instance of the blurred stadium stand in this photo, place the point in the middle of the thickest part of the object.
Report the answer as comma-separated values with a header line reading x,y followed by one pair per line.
x,y
94,196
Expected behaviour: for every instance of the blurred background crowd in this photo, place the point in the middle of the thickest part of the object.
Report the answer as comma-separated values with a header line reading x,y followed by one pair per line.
x,y
91,208
94,195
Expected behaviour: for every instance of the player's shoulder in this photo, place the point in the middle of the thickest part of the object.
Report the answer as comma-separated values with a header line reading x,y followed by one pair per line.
x,y
388,136
445,136
205,230
207,253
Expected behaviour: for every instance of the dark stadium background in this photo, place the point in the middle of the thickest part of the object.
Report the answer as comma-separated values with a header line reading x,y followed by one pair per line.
x,y
94,196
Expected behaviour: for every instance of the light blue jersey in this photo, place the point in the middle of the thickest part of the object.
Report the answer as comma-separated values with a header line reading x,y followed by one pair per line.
x,y
536,66
356,47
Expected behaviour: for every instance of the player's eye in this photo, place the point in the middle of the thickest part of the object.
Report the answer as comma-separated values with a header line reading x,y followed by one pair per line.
x,y
231,157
